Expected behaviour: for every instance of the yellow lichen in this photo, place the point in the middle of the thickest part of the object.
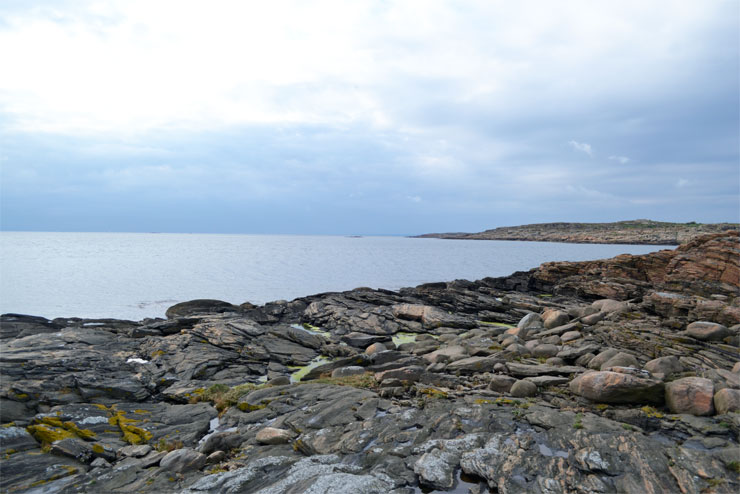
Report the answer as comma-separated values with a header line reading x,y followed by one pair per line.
x,y
246,407
98,449
131,433
483,401
47,435
81,433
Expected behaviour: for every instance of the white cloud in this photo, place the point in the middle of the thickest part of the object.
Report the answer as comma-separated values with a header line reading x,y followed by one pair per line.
x,y
622,159
682,182
128,66
582,147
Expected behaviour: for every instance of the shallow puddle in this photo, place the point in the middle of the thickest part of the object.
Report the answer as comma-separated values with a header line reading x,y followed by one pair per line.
x,y
301,371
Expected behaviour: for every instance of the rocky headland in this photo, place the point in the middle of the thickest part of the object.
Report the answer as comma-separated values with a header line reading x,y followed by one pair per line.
x,y
620,232
619,375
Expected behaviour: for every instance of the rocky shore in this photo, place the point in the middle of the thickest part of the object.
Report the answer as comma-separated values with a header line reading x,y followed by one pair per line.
x,y
619,375
621,232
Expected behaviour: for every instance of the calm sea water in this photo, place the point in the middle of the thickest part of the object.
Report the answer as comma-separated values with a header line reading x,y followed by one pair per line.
x,y
137,275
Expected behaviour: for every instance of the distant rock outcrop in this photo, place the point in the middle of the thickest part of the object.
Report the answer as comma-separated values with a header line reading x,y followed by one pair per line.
x,y
620,232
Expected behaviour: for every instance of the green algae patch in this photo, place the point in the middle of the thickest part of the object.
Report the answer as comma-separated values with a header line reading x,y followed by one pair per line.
x,y
401,338
301,371
434,393
246,407
364,381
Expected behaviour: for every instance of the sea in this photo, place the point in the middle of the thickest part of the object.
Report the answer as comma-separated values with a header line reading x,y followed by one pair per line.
x,y
139,275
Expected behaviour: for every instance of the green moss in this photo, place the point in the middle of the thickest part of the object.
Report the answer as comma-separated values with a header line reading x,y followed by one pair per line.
x,y
47,435
246,407
364,381
434,393
601,406
734,466
98,449
483,401
577,424
627,427
651,412
131,433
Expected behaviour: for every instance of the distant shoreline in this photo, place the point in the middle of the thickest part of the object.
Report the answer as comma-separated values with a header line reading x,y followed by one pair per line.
x,y
635,232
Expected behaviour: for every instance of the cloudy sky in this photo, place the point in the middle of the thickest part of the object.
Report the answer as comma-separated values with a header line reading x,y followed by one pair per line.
x,y
371,117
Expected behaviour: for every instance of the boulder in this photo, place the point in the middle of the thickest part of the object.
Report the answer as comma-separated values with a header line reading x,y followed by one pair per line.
x,y
692,395
199,307
554,318
616,387
608,305
545,350
707,331
375,348
621,359
446,354
352,370
182,460
472,365
523,389
501,383
596,362
570,336
664,366
727,400
272,435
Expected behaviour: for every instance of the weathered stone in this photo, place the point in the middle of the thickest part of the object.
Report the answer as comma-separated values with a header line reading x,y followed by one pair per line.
x,y
727,400
216,457
447,354
554,318
570,336
621,359
220,441
596,362
375,348
664,366
692,395
199,307
545,350
135,451
353,370
405,374
272,435
73,447
473,365
614,387
608,305
523,389
572,353
501,383
707,331
592,319
183,460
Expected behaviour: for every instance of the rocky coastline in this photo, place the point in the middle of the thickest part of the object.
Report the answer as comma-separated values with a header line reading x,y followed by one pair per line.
x,y
646,232
618,375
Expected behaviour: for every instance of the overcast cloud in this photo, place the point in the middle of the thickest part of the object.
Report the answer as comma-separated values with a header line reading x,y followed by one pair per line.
x,y
366,117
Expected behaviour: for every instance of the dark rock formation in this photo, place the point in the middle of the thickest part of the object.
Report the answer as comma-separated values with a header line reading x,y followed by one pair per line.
x,y
523,384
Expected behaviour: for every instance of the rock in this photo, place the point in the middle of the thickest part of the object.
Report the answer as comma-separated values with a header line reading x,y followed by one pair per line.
x,y
473,365
100,463
570,336
182,460
353,370
727,400
279,381
608,305
523,389
447,354
525,370
592,319
554,318
375,348
501,383
736,368
73,447
621,359
554,361
15,439
572,353
199,307
135,451
431,317
530,322
272,435
664,366
434,470
545,350
220,441
596,362
409,374
707,331
362,340
216,457
614,387
11,410
692,395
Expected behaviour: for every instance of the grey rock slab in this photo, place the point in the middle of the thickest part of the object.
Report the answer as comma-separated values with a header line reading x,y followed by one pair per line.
x,y
573,352
526,370
473,364
182,460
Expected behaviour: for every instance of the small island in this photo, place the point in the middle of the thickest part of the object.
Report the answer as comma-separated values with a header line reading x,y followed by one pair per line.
x,y
647,232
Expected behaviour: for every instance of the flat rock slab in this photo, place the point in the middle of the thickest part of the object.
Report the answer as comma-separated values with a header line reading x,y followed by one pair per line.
x,y
525,370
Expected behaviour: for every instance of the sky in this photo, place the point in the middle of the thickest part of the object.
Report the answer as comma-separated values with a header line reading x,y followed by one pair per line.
x,y
366,117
